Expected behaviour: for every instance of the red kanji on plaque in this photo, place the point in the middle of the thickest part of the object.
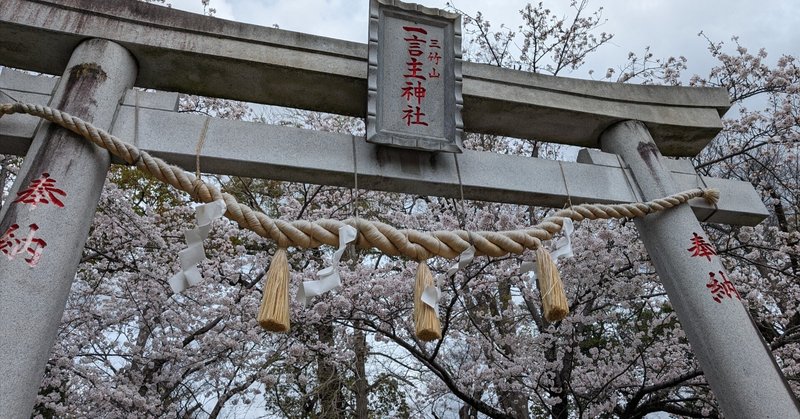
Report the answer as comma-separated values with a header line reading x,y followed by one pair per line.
x,y
411,91
413,116
41,191
434,57
701,248
415,42
720,290
414,67
13,246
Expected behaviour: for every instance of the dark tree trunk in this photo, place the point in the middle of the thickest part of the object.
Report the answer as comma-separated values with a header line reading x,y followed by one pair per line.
x,y
513,401
362,386
330,384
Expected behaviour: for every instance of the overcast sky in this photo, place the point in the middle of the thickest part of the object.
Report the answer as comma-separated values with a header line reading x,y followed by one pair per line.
x,y
670,27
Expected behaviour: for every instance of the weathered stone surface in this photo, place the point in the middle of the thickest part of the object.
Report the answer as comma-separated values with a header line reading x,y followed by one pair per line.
x,y
734,358
189,53
487,176
34,289
16,131
251,151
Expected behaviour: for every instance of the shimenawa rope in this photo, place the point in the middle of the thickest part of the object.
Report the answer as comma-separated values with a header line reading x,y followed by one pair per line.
x,y
305,234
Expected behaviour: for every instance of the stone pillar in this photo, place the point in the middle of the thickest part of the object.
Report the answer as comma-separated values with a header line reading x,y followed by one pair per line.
x,y
730,350
46,218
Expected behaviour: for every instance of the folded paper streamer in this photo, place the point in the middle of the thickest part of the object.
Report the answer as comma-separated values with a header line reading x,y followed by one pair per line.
x,y
563,246
432,293
194,253
328,277
545,271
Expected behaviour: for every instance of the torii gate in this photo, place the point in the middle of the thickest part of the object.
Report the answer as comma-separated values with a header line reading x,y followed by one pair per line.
x,y
103,48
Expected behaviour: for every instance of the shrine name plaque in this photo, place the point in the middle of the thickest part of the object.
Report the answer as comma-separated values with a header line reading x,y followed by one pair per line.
x,y
414,98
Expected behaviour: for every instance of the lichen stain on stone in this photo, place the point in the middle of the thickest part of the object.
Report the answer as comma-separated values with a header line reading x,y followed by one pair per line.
x,y
89,70
82,83
647,150
649,153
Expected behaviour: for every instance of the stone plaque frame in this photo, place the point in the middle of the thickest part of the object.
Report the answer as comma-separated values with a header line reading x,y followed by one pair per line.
x,y
445,104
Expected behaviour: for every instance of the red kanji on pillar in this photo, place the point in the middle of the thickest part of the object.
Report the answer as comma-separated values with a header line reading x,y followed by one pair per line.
x,y
720,290
41,191
12,246
701,248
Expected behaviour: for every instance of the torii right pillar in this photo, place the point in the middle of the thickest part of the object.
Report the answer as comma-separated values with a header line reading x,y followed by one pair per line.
x,y
735,359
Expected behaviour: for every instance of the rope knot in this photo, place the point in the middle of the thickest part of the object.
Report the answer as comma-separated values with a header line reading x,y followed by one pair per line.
x,y
200,190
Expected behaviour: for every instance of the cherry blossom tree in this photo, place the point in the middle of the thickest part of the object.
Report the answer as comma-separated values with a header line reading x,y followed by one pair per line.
x,y
128,347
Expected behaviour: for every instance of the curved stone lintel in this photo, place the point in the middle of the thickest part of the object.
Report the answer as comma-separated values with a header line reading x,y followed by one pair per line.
x,y
195,54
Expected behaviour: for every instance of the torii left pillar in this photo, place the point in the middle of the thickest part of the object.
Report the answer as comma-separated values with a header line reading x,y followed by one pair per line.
x,y
46,219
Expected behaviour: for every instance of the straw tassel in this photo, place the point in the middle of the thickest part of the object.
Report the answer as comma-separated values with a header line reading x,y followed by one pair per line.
x,y
711,196
554,301
426,321
273,315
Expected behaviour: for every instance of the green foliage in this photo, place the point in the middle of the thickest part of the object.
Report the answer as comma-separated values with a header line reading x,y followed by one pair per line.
x,y
146,192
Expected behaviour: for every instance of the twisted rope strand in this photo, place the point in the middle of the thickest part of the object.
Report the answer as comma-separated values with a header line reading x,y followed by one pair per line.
x,y
389,240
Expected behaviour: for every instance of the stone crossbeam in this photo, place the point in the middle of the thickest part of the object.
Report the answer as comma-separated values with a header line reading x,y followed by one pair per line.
x,y
252,149
194,54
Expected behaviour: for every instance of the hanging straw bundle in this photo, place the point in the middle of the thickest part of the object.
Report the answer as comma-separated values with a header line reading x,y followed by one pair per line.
x,y
554,301
273,315
426,321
